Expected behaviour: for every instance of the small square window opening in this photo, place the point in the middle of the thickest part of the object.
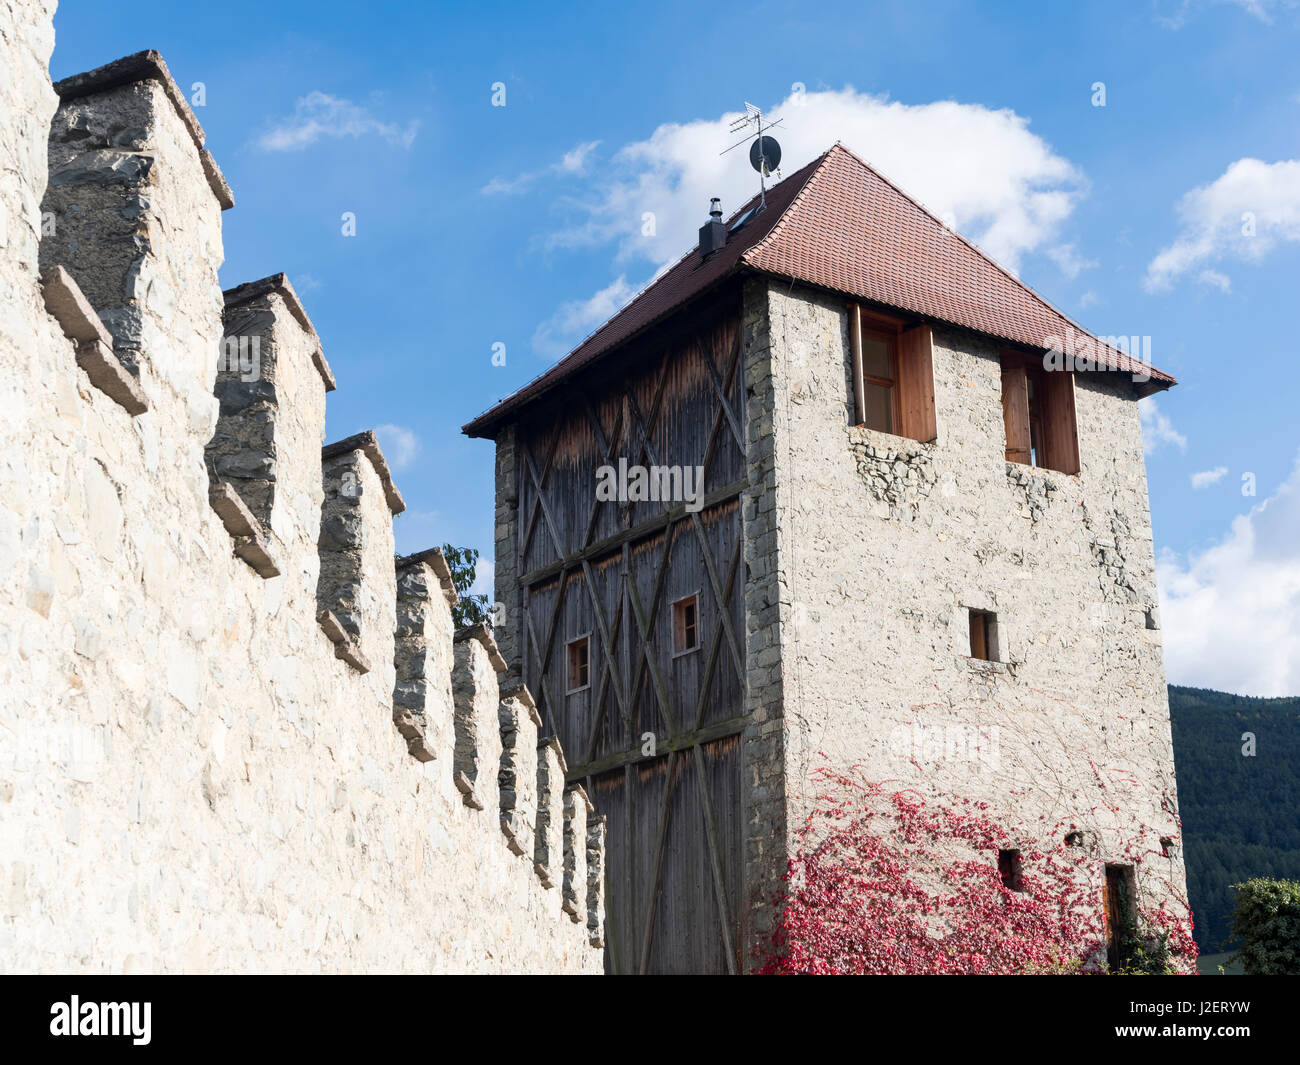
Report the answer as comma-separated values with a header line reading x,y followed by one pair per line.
x,y
686,624
579,666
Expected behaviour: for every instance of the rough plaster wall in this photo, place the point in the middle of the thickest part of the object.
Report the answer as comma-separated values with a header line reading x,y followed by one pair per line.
x,y
27,102
189,779
883,545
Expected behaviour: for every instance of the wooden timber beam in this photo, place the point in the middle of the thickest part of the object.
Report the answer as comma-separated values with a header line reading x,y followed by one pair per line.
x,y
638,532
718,730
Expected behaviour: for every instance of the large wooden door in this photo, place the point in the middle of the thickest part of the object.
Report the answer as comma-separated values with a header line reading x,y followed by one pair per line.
x,y
654,731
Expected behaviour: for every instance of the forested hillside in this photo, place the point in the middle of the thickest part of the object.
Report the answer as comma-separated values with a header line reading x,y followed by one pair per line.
x,y
1241,815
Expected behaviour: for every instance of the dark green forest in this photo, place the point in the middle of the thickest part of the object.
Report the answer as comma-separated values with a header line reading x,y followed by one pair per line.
x,y
1241,815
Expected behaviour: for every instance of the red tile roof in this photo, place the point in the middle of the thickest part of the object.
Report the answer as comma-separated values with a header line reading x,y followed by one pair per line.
x,y
841,225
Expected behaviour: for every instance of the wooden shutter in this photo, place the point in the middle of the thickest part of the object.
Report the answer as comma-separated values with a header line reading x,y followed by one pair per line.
x,y
1015,407
916,384
1060,434
855,346
979,635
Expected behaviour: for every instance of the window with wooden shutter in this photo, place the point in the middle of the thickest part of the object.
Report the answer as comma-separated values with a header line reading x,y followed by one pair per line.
x,y
984,635
1015,409
916,384
1038,414
893,375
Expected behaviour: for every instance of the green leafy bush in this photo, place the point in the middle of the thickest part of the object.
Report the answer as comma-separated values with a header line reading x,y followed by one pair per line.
x,y
1268,922
472,609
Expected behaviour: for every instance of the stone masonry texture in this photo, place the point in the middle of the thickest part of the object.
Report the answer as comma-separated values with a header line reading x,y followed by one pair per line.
x,y
190,779
864,555
866,552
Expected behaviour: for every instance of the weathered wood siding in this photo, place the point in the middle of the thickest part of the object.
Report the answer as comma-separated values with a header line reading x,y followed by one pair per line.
x,y
654,736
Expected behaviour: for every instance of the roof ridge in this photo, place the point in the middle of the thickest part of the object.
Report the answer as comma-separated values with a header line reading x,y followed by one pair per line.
x,y
817,165
659,272
673,264
981,252
839,223
663,271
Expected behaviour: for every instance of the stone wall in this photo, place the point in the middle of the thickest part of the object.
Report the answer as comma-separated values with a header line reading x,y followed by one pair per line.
x,y
866,552
509,597
767,614
228,716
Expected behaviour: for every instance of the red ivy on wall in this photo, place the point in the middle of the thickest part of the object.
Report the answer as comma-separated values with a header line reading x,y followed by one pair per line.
x,y
881,882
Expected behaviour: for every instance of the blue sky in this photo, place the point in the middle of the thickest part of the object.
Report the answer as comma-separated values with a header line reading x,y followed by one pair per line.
x,y
524,224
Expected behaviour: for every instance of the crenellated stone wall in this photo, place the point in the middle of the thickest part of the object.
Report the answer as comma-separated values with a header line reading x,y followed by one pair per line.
x,y
230,719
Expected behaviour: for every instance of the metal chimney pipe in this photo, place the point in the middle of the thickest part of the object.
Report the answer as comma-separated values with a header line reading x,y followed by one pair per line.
x,y
713,234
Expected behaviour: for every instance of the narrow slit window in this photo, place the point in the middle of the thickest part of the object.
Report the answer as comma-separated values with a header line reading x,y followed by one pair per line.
x,y
1033,393
1118,910
983,635
1010,869
686,624
579,666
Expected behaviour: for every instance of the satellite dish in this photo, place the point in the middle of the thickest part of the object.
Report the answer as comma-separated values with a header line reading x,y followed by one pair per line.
x,y
765,155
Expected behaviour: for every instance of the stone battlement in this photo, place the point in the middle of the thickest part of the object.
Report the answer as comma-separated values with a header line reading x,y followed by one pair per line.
x,y
237,733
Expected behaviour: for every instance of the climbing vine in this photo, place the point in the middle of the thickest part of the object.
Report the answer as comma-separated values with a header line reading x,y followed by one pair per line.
x,y
883,882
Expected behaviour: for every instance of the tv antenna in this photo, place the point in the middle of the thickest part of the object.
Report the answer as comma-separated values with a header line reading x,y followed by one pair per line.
x,y
764,152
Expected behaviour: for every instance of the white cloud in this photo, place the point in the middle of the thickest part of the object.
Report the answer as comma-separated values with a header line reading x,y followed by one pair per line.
x,y
484,578
1261,9
983,170
1157,429
575,159
1208,477
1088,299
1264,9
578,318
573,162
1069,261
1243,214
319,114
1212,277
400,446
1231,614
500,186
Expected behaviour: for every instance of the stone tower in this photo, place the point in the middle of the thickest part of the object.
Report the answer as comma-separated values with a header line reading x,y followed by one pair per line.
x,y
920,545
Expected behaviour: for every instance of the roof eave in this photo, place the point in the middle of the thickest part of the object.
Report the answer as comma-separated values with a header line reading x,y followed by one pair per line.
x,y
485,425
1158,381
